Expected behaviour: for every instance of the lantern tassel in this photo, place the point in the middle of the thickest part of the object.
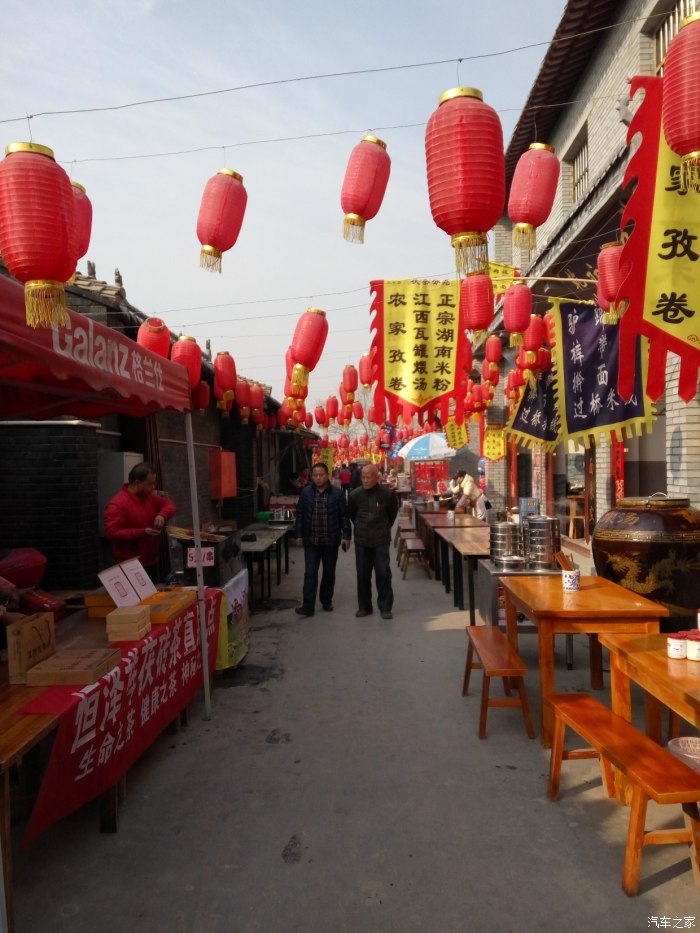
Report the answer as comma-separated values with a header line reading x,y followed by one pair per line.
x,y
690,172
516,339
45,304
471,252
524,237
354,228
210,259
300,376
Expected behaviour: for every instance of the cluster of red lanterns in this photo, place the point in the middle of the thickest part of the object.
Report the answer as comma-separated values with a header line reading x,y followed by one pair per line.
x,y
45,226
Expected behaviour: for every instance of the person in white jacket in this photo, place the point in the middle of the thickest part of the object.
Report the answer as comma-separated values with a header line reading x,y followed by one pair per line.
x,y
472,499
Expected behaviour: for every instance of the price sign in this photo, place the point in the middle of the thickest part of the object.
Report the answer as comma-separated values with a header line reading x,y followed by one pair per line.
x,y
207,556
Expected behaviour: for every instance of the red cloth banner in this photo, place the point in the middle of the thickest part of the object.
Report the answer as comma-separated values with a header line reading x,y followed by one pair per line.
x,y
112,722
661,256
419,346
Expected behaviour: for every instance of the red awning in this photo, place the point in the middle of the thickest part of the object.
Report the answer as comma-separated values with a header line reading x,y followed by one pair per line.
x,y
84,369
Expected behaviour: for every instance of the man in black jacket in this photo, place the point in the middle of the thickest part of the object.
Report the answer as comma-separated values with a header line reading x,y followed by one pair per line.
x,y
373,509
321,524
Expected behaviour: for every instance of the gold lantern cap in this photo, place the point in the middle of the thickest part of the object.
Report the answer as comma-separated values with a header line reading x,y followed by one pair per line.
x,y
230,171
36,148
374,139
461,92
689,19
184,337
611,243
545,146
316,311
76,184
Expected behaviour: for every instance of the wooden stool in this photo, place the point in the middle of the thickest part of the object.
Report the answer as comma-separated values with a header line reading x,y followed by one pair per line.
x,y
402,525
414,549
575,515
497,658
404,536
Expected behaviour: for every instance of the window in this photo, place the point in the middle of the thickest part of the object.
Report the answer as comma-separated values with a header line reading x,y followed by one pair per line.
x,y
579,175
669,28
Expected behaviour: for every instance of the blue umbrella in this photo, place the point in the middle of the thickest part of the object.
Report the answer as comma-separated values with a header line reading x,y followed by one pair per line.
x,y
431,446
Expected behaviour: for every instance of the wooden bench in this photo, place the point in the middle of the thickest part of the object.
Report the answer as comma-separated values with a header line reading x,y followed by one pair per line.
x,y
654,773
414,549
497,658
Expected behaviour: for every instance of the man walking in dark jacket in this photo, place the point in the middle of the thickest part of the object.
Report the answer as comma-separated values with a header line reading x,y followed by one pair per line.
x,y
321,524
373,509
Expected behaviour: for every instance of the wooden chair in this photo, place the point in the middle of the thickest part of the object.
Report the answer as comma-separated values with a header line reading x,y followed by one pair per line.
x,y
497,658
414,550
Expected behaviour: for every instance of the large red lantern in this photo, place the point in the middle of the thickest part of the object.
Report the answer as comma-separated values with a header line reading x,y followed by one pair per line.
x,y
681,103
38,239
220,217
493,351
366,370
466,173
532,193
517,309
364,185
477,295
200,396
320,416
350,381
83,219
357,410
307,344
609,281
535,334
186,352
224,377
154,336
331,408
243,399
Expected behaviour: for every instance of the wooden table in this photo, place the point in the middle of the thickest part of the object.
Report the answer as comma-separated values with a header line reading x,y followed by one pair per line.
x,y
471,543
598,607
427,522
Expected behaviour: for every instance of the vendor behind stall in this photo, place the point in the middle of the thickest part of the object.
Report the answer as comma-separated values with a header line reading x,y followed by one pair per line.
x,y
136,516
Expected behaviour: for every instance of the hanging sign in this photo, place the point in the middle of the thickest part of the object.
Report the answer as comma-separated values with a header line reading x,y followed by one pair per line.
x,y
456,435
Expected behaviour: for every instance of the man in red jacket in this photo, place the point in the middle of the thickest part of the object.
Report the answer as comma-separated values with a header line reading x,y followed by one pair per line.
x,y
135,518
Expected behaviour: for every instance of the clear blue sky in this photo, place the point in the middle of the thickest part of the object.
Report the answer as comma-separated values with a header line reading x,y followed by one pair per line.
x,y
64,55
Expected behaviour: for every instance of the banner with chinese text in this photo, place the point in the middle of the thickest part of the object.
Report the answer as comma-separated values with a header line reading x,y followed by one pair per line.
x,y
661,255
420,347
111,723
536,416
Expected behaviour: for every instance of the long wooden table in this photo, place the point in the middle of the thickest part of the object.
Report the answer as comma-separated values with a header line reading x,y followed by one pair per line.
x,y
427,523
470,544
599,607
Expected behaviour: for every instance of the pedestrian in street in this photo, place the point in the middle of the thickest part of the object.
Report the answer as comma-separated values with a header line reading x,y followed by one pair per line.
x,y
322,526
373,509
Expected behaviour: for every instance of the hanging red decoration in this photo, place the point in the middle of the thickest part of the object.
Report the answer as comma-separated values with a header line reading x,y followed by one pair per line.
x,y
186,352
220,217
365,182
466,173
493,351
681,106
477,293
201,395
83,219
154,336
347,413
350,381
486,371
320,416
609,281
257,399
224,377
260,419
532,193
38,238
308,420
534,335
366,370
307,344
243,399
331,408
517,308
357,410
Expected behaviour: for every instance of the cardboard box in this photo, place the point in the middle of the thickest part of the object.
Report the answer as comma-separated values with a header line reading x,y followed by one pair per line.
x,y
128,632
131,615
99,597
73,666
165,606
29,641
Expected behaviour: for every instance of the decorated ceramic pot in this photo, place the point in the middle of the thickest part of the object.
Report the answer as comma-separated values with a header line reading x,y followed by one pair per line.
x,y
652,547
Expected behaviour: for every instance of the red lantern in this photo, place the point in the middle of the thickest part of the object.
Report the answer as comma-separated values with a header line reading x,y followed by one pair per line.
x,y
533,338
243,399
350,380
320,416
532,193
364,185
681,106
331,408
366,370
466,173
307,344
187,353
493,351
200,396
309,420
347,413
83,219
609,280
220,217
486,371
257,398
38,239
260,419
477,294
517,309
371,414
154,336
357,410
224,377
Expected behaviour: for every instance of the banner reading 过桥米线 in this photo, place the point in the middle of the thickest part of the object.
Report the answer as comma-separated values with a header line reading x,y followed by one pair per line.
x,y
420,346
661,258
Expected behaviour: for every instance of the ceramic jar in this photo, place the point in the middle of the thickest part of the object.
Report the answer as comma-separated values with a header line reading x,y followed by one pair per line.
x,y
652,547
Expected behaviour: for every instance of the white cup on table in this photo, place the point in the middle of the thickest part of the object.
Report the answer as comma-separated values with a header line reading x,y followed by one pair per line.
x,y
571,579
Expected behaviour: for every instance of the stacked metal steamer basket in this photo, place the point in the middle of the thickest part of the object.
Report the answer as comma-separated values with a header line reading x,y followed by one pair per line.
x,y
530,545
